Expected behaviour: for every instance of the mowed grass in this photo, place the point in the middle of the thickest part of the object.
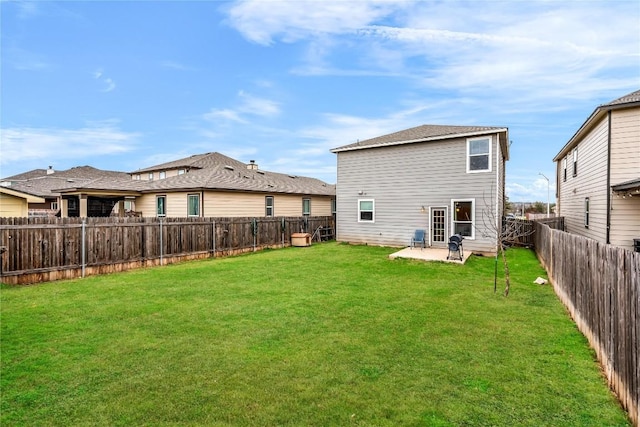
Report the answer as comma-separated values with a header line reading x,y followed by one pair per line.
x,y
327,335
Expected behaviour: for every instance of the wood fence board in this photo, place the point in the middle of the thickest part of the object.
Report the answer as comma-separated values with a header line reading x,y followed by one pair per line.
x,y
600,285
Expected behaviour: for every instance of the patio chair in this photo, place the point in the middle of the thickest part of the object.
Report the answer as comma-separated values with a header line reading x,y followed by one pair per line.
x,y
455,247
419,238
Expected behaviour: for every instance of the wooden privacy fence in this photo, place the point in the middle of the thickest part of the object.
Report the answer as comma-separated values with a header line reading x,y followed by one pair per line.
x,y
600,286
44,249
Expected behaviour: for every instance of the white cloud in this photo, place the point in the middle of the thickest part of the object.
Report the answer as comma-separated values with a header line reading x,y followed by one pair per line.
x,y
261,21
524,51
21,144
248,105
108,83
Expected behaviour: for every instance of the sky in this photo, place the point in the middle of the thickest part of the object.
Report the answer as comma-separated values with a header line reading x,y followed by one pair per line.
x,y
123,85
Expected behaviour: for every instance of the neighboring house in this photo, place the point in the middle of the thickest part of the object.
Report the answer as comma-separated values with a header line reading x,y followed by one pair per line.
x,y
598,175
47,183
209,185
14,203
443,179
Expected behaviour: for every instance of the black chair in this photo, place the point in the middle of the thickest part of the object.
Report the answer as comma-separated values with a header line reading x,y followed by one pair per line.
x,y
419,237
455,247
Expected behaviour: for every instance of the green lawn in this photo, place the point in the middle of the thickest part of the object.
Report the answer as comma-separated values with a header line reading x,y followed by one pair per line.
x,y
327,335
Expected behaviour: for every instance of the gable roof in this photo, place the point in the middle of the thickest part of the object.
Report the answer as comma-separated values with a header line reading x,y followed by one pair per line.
x,y
424,133
47,183
30,198
630,100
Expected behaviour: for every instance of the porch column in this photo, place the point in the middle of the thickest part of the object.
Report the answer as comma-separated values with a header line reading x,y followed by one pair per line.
x,y
121,208
64,208
83,206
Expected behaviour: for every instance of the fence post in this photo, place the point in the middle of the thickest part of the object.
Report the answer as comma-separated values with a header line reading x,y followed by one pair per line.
x,y
213,238
84,244
161,259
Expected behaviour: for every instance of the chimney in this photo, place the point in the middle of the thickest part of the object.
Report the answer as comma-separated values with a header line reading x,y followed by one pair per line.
x,y
252,165
50,170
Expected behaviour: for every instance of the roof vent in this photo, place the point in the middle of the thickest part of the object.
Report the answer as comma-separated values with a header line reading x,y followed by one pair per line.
x,y
292,176
252,165
69,180
228,167
260,172
50,170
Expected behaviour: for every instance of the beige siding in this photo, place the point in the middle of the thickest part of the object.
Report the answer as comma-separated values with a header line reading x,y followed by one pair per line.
x,y
625,166
625,221
402,179
591,182
12,206
234,204
625,147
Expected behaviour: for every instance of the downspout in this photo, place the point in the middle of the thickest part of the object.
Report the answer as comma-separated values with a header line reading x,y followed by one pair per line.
x,y
498,217
608,231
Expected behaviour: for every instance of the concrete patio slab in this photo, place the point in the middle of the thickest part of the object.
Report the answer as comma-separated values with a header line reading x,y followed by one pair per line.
x,y
429,254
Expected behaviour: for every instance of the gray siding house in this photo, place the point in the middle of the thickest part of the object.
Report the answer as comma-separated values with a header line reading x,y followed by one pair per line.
x,y
598,175
442,179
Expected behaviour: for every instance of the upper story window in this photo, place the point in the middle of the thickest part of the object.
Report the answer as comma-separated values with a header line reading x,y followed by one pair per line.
x,y
150,176
193,205
575,162
181,171
163,175
306,206
268,206
564,169
161,205
136,177
479,155
366,210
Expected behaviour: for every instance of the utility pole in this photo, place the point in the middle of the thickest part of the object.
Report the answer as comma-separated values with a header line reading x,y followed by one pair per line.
x,y
544,176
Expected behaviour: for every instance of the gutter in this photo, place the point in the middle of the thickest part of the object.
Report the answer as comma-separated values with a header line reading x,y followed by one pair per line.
x,y
608,226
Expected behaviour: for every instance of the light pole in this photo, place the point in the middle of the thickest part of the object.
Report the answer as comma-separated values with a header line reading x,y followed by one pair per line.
x,y
543,175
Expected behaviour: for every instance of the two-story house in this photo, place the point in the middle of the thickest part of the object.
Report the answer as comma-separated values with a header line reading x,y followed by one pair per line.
x,y
442,179
598,175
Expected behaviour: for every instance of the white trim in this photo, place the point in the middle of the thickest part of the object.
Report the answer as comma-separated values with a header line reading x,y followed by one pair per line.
x,y
498,217
412,141
452,229
469,140
431,209
373,210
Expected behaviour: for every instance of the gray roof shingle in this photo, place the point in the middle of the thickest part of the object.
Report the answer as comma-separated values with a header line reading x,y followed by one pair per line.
x,y
418,134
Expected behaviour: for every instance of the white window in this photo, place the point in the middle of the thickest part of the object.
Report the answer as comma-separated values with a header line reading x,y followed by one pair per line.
x,y
564,169
586,212
137,177
193,205
163,175
366,210
306,206
575,162
150,176
479,155
180,171
268,206
128,205
463,217
54,205
161,205
333,206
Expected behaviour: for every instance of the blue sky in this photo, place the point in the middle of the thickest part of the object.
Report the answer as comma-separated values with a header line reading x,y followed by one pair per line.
x,y
124,85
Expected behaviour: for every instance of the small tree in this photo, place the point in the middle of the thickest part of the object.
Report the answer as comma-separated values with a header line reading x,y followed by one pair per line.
x,y
507,231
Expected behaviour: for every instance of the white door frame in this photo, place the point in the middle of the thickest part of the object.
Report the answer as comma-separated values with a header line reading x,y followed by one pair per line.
x,y
432,228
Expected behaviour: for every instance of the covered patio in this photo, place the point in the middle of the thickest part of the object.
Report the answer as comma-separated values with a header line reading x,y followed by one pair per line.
x,y
430,254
